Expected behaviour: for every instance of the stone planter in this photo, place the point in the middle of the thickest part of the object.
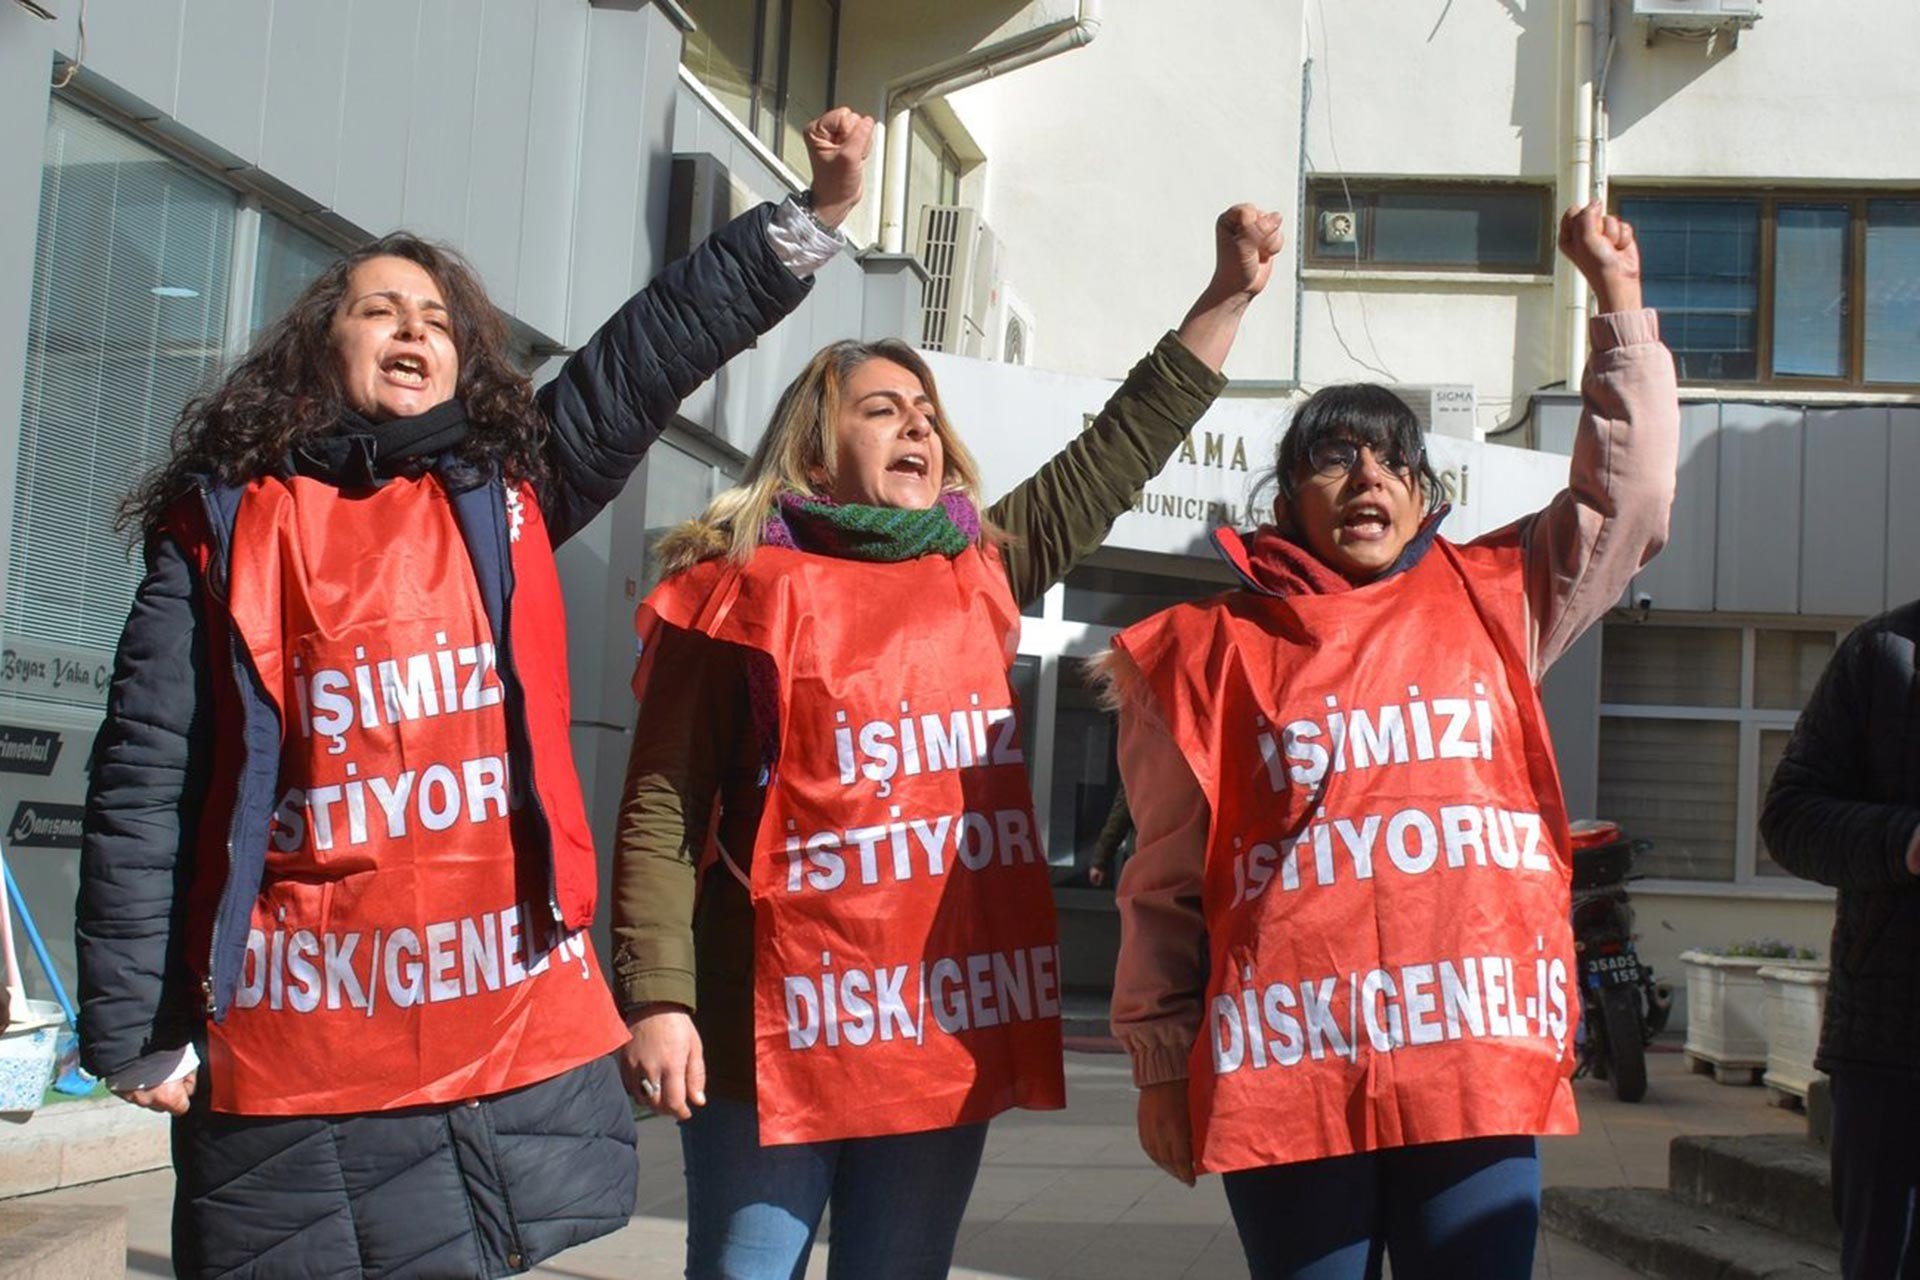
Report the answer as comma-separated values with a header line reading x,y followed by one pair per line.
x,y
1796,996
1726,1011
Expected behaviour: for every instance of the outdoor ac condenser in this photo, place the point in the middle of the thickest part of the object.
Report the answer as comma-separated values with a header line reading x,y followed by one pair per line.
x,y
962,258
1697,15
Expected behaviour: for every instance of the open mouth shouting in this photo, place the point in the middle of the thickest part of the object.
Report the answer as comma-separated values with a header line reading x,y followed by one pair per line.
x,y
1365,521
912,465
406,369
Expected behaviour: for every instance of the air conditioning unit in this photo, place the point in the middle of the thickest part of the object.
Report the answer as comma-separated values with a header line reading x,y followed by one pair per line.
x,y
1697,15
1443,409
962,258
702,197
1016,329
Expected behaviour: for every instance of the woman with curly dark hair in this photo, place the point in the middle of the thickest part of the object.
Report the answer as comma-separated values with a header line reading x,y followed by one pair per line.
x,y
337,868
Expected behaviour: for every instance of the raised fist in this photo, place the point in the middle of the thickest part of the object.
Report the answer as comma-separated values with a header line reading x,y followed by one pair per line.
x,y
837,146
1246,240
1602,248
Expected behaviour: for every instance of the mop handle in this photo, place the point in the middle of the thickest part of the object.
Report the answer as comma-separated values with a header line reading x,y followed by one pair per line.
x,y
10,975
39,947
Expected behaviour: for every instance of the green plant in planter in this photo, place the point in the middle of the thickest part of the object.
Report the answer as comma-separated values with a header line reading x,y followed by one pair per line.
x,y
1762,949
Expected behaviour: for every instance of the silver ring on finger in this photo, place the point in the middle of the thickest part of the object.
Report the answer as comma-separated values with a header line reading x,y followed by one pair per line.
x,y
649,1089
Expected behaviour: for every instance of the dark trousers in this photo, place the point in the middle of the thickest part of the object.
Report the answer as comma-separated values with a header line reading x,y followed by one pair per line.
x,y
1876,1169
1443,1210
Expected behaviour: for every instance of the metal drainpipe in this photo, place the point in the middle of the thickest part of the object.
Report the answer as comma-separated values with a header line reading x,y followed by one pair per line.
x,y
943,78
1582,184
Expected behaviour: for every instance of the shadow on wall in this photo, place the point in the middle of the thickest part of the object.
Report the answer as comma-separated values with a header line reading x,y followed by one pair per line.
x,y
1642,83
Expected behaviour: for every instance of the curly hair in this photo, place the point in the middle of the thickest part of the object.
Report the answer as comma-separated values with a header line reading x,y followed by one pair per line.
x,y
287,388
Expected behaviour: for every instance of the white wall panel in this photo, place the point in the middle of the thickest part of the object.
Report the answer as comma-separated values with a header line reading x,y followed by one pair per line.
x,y
26,64
440,129
133,45
1759,565
548,194
1681,576
370,188
658,81
223,73
496,167
300,137
609,180
1903,510
1843,546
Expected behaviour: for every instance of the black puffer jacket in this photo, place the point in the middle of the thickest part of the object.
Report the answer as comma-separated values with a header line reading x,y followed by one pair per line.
x,y
1842,810
486,1187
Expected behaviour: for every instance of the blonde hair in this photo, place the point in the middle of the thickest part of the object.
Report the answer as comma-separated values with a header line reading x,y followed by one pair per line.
x,y
799,442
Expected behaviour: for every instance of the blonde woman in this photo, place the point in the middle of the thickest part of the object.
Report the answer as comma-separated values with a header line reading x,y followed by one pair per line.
x,y
834,937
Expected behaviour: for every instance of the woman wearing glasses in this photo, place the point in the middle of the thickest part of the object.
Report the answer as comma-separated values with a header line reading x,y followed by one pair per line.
x,y
1346,975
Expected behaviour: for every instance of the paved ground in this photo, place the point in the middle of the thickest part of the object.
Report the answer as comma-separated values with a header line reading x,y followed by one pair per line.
x,y
1068,1195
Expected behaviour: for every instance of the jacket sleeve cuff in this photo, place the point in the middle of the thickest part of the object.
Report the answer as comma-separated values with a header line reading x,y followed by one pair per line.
x,y
799,241
634,990
1155,1061
1623,329
162,1066
1184,372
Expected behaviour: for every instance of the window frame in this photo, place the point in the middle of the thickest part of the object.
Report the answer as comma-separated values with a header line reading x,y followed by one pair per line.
x,y
1770,200
775,120
1750,720
1351,193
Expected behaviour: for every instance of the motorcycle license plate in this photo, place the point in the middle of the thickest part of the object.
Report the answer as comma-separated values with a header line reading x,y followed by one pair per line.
x,y
1615,971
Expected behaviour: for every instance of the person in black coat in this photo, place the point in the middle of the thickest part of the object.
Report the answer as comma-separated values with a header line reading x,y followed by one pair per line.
x,y
389,376
1844,810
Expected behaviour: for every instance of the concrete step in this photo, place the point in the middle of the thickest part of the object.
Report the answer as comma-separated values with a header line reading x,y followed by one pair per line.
x,y
1658,1235
67,1143
61,1242
1776,1180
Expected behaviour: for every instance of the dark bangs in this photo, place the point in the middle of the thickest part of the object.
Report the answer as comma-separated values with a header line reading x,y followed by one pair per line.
x,y
1364,413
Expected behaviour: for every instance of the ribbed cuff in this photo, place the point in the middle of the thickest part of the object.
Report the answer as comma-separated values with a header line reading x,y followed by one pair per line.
x,y
1156,1063
1623,329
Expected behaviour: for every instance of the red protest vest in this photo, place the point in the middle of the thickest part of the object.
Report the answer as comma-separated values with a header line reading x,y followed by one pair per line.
x,y
1387,865
906,962
403,948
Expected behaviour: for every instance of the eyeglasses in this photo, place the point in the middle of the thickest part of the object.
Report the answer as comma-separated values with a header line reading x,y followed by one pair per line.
x,y
1335,457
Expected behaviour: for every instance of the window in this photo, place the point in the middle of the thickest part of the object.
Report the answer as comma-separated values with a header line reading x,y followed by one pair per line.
x,y
1086,768
1452,227
287,262
769,62
1693,719
133,293
933,172
1814,289
128,319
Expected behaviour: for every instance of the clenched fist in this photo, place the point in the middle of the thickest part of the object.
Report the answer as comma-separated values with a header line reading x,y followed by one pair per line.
x,y
1602,248
1246,240
837,147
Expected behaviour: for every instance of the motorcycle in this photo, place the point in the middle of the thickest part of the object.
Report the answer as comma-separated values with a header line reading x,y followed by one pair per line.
x,y
1622,1007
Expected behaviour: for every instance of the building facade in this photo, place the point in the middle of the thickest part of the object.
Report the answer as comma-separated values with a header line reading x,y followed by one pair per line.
x,y
1043,200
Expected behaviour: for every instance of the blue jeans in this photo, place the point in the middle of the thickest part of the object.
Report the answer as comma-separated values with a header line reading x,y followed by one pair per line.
x,y
752,1211
1444,1210
1876,1171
